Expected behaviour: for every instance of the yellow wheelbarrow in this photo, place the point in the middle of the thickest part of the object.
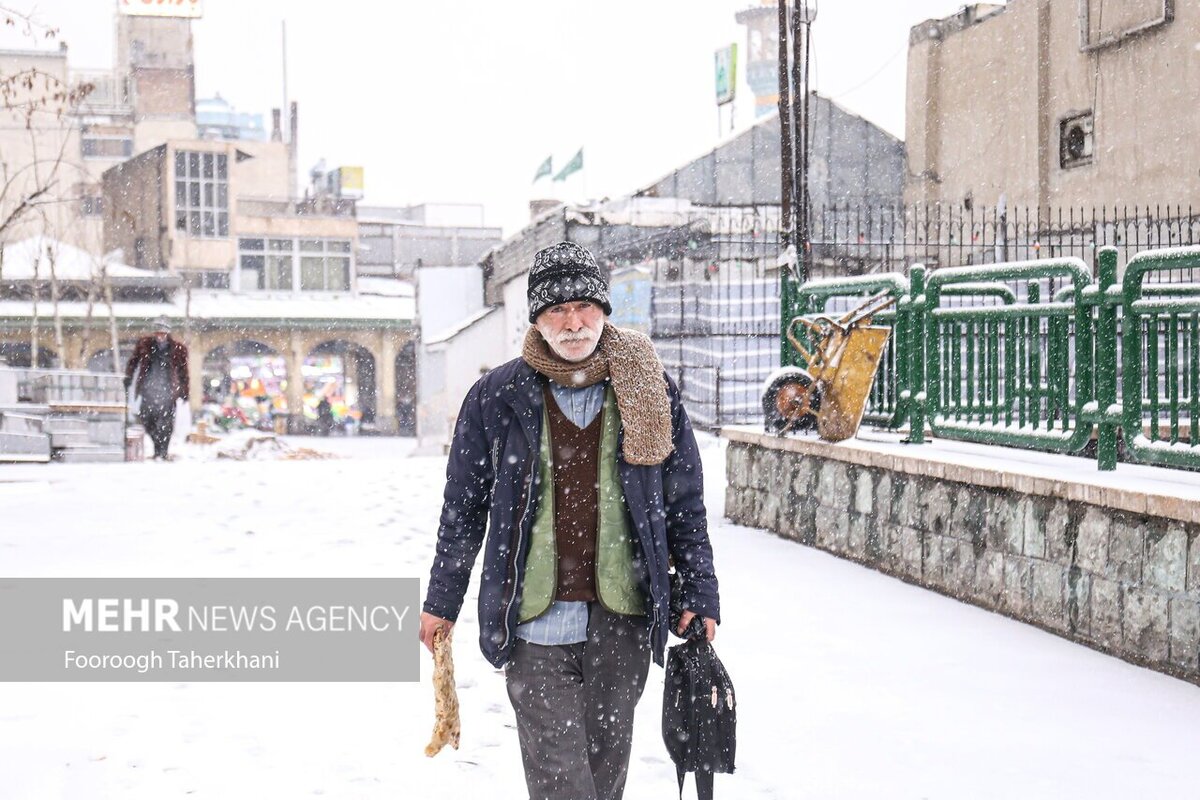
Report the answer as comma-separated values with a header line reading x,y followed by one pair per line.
x,y
830,394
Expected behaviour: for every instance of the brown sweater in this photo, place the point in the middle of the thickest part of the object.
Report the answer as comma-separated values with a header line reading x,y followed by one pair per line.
x,y
576,453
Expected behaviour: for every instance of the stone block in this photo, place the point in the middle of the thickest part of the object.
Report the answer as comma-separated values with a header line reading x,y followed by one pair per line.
x,y
873,549
1166,557
968,515
1092,541
932,571
737,464
1032,511
771,511
856,536
1058,532
1105,622
1193,568
800,520
1017,585
907,510
804,477
1047,597
765,469
883,497
1185,634
841,542
937,506
824,533
831,475
864,492
952,578
1145,624
1126,547
1079,584
1004,533
751,503
989,578
733,503
910,551
966,569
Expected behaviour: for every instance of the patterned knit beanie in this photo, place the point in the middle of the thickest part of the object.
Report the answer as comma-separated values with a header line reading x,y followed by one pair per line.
x,y
562,273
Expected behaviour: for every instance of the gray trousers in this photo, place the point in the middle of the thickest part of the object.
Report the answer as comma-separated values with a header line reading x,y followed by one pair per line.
x,y
574,706
159,421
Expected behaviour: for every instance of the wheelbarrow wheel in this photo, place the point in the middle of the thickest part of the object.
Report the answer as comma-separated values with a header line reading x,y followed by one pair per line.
x,y
791,401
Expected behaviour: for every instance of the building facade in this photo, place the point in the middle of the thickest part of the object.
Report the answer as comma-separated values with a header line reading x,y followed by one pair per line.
x,y
1055,104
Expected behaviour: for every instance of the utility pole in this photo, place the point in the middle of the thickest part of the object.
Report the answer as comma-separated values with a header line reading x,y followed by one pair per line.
x,y
795,43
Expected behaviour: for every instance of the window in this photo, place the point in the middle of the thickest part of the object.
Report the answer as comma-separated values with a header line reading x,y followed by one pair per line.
x,y
1075,141
206,279
202,194
324,265
265,264
105,145
1104,23
272,264
91,206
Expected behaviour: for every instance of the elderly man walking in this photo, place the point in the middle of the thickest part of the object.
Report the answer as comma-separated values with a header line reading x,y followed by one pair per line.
x,y
579,460
158,370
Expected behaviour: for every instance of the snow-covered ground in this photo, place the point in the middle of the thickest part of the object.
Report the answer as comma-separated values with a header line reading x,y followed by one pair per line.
x,y
851,684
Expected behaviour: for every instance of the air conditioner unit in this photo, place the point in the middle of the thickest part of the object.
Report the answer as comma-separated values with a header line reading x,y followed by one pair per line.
x,y
1075,140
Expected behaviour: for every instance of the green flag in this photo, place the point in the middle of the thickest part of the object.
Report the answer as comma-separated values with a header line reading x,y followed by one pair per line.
x,y
544,170
573,166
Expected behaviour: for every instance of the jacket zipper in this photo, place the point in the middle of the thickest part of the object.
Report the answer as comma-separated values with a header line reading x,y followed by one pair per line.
x,y
512,556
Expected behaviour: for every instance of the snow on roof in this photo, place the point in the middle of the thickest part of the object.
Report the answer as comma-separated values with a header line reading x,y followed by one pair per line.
x,y
70,263
24,257
225,305
459,327
385,287
217,306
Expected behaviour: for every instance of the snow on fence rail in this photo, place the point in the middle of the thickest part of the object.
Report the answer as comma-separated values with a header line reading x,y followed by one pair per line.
x,y
1032,354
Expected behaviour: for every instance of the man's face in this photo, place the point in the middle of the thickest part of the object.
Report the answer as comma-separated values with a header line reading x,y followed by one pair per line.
x,y
571,329
160,335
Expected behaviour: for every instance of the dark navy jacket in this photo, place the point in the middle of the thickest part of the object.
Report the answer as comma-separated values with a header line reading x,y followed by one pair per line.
x,y
493,481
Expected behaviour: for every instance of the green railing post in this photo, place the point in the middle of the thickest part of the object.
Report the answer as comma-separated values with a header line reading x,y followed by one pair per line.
x,y
916,388
1106,361
787,355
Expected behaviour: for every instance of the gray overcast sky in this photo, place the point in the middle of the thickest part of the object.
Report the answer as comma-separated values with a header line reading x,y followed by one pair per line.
x,y
461,100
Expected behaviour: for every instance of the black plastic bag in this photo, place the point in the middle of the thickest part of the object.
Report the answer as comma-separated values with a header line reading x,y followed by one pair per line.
x,y
699,716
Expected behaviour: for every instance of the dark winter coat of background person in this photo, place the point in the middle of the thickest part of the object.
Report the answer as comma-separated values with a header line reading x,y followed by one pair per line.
x,y
139,366
491,466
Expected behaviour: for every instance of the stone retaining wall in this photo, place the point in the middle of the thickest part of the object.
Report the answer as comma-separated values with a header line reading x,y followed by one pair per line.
x,y
1123,582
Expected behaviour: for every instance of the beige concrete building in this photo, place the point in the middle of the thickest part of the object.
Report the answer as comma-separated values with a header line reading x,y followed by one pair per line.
x,y
261,284
264,276
1060,103
147,98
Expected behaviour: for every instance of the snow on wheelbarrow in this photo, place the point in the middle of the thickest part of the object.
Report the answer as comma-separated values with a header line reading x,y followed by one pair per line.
x,y
830,393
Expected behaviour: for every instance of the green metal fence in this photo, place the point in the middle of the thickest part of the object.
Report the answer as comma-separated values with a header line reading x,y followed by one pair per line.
x,y
1161,359
1030,354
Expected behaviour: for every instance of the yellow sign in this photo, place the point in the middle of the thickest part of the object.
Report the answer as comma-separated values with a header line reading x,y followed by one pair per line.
x,y
189,9
352,179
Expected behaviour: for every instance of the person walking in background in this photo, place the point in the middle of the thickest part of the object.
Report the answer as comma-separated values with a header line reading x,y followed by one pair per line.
x,y
579,461
158,371
324,417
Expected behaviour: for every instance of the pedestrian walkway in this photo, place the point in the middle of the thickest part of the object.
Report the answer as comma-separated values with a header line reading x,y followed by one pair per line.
x,y
851,684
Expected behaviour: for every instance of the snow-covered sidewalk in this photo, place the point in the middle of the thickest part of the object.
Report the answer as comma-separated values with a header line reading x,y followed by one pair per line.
x,y
851,684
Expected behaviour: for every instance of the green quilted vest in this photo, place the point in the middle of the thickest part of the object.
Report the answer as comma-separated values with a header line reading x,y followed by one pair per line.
x,y
616,583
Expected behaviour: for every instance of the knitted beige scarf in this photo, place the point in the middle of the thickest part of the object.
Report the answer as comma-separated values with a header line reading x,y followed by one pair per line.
x,y
626,357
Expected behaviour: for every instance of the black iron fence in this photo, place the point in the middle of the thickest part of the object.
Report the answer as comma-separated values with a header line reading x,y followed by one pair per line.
x,y
714,281
855,240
